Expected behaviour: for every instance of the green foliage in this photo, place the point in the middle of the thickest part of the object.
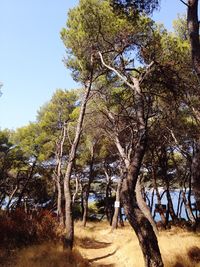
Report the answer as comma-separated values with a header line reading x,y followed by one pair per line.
x,y
132,7
180,27
93,27
30,139
58,110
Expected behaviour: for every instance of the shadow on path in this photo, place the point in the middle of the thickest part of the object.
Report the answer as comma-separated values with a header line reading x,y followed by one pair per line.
x,y
89,243
103,257
105,265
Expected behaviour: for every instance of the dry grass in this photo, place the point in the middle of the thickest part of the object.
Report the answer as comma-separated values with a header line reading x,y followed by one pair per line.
x,y
50,256
179,248
104,248
47,255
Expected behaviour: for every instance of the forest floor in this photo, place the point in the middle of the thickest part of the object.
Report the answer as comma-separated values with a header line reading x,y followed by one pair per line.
x,y
103,248
97,246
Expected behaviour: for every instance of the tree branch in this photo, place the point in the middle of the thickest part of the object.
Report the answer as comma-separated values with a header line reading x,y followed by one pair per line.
x,y
184,3
123,78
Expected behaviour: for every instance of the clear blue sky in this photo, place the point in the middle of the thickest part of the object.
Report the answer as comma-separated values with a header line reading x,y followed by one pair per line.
x,y
31,54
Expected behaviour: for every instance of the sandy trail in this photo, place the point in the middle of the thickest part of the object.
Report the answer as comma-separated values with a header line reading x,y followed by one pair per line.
x,y
102,250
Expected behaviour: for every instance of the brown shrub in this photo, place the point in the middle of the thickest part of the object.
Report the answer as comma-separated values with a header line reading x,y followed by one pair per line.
x,y
18,228
194,254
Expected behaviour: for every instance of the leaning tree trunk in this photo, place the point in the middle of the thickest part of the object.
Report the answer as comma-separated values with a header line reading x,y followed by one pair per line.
x,y
188,209
139,222
143,206
68,240
141,225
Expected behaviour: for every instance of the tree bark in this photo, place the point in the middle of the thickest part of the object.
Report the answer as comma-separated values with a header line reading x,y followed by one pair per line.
x,y
117,207
193,30
143,206
160,210
87,190
108,209
179,203
26,183
195,172
143,229
138,221
58,174
188,209
69,224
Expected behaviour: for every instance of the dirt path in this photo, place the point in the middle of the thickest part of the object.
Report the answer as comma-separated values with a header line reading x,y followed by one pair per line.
x,y
101,250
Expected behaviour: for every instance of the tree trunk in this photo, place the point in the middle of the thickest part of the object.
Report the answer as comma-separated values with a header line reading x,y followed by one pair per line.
x,y
133,161
11,197
58,174
188,209
179,203
170,206
160,208
143,206
59,204
87,190
69,225
108,209
195,172
117,205
26,183
143,229
193,30
151,204
164,167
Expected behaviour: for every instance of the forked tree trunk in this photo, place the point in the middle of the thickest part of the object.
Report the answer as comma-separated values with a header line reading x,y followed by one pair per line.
x,y
68,240
139,222
143,229
141,225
